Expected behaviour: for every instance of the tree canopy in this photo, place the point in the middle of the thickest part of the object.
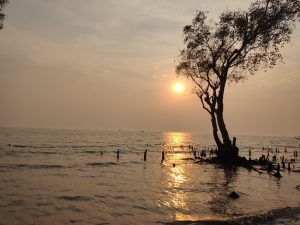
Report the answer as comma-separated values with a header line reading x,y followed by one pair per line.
x,y
228,50
3,3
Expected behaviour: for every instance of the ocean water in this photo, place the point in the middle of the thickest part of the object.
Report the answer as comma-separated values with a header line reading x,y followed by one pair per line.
x,y
74,177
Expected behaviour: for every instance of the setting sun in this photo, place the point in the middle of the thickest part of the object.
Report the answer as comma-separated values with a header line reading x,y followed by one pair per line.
x,y
178,87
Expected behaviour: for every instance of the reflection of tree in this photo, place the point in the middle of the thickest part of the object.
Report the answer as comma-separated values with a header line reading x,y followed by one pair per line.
x,y
222,184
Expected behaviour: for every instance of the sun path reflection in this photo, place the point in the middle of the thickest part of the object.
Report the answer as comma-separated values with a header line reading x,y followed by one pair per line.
x,y
177,148
177,145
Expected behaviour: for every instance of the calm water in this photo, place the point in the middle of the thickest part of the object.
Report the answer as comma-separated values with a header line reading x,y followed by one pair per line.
x,y
61,177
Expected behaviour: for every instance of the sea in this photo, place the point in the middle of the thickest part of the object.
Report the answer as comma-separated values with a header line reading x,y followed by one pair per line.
x,y
50,176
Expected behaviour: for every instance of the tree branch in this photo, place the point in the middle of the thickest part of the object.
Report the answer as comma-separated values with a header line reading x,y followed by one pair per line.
x,y
202,102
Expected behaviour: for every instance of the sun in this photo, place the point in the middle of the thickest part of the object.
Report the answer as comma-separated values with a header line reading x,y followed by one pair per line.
x,y
178,87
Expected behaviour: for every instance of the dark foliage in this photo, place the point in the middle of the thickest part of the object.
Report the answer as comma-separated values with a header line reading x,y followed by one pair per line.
x,y
3,3
232,48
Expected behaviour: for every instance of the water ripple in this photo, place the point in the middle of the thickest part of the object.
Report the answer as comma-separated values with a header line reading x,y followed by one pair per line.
x,y
75,198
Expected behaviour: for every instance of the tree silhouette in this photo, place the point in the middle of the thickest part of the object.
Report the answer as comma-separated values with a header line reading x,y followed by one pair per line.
x,y
231,49
3,3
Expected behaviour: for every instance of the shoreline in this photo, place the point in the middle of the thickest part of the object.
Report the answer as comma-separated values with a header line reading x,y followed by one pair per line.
x,y
286,215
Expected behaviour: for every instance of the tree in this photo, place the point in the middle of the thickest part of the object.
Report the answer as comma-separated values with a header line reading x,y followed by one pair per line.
x,y
231,49
3,3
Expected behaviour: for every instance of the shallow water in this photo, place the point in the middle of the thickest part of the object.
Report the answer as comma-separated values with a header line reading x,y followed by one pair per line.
x,y
74,177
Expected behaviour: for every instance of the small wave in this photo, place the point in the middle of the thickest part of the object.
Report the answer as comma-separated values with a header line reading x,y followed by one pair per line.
x,y
8,180
71,208
31,166
100,196
49,153
39,204
19,146
90,152
187,159
120,197
32,146
75,198
132,163
102,164
82,146
140,207
16,202
43,152
40,146
40,166
9,167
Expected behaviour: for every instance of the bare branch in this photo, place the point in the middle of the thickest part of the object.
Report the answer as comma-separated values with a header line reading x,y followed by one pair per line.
x,y
202,102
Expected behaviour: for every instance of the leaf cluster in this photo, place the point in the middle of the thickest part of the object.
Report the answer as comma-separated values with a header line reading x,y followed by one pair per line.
x,y
238,44
3,3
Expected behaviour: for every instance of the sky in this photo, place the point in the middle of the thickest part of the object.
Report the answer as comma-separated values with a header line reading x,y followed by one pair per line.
x,y
110,65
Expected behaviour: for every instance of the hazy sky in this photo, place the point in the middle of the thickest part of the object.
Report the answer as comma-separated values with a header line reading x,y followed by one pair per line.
x,y
109,64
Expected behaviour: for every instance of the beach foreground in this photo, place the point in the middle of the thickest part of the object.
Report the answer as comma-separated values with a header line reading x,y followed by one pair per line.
x,y
277,216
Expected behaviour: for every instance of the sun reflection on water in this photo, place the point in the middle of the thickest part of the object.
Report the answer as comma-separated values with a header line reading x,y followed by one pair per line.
x,y
176,139
176,179
177,197
177,176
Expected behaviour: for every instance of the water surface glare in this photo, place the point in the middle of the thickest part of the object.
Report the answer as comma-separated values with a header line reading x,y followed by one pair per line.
x,y
74,177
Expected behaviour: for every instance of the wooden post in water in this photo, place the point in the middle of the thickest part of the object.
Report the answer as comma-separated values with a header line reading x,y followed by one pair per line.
x,y
145,155
234,141
162,156
118,154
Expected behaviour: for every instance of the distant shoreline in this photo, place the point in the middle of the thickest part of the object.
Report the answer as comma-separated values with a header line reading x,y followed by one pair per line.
x,y
142,131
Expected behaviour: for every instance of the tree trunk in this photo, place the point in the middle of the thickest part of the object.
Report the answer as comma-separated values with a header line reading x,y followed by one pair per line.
x,y
223,129
215,130
227,153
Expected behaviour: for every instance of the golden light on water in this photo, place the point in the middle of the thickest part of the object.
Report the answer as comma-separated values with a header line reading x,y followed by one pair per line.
x,y
178,87
177,178
177,139
176,175
177,198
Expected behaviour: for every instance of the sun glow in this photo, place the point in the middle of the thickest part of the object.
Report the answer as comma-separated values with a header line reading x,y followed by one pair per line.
x,y
178,87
